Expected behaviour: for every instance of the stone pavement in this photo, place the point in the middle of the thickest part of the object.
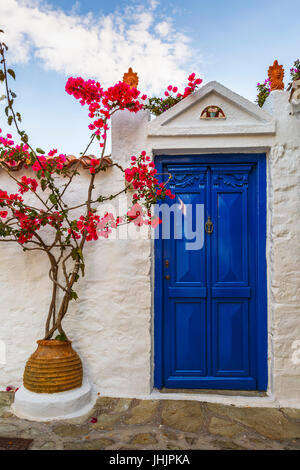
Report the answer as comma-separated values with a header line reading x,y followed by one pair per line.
x,y
124,423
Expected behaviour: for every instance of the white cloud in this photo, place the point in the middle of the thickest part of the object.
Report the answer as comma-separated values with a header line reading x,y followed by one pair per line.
x,y
163,28
100,47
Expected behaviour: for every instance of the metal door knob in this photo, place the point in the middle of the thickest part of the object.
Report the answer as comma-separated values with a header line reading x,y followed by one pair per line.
x,y
209,226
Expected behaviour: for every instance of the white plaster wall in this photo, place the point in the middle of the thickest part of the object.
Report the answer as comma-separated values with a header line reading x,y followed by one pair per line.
x,y
284,249
110,325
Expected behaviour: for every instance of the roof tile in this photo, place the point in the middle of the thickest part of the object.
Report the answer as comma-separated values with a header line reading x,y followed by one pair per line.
x,y
70,161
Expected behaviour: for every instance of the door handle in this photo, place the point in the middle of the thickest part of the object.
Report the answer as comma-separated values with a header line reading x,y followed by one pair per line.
x,y
209,226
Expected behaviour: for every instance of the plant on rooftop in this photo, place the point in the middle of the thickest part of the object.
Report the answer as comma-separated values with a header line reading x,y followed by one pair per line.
x,y
294,73
159,105
264,90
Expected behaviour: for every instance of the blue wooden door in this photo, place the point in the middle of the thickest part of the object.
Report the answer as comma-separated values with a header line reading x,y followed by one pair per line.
x,y
210,305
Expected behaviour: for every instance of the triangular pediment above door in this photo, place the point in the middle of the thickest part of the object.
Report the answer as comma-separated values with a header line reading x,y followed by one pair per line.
x,y
213,110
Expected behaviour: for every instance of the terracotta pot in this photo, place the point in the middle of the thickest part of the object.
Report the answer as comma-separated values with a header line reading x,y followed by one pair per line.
x,y
53,367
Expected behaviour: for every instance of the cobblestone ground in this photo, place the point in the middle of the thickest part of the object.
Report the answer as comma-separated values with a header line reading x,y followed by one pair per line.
x,y
160,424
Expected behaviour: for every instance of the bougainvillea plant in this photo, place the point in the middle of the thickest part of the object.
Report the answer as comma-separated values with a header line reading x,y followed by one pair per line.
x,y
158,105
45,221
264,89
294,73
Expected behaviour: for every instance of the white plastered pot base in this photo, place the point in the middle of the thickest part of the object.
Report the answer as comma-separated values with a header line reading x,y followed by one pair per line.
x,y
54,406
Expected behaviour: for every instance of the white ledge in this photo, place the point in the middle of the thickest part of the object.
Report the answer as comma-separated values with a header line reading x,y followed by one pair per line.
x,y
268,128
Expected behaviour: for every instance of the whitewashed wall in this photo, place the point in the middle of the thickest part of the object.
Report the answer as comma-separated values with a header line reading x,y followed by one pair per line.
x,y
284,249
111,326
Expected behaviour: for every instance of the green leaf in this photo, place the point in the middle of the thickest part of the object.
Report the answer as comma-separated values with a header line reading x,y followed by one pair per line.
x,y
82,267
38,150
2,76
11,73
43,185
61,337
79,251
73,295
74,224
9,120
47,174
53,198
39,174
74,254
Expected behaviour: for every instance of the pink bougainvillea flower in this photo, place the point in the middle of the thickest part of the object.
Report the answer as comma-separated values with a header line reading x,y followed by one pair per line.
x,y
155,221
136,214
3,214
52,152
9,389
94,420
62,158
26,184
168,193
94,162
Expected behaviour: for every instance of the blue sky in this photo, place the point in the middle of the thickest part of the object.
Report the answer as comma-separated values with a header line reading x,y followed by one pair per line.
x,y
230,41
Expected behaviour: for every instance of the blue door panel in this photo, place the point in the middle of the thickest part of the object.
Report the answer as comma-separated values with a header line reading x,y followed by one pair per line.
x,y
213,383
230,215
190,265
210,303
189,328
231,292
230,265
178,292
230,343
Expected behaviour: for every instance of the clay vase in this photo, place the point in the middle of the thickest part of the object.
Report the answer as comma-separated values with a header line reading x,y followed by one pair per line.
x,y
53,367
